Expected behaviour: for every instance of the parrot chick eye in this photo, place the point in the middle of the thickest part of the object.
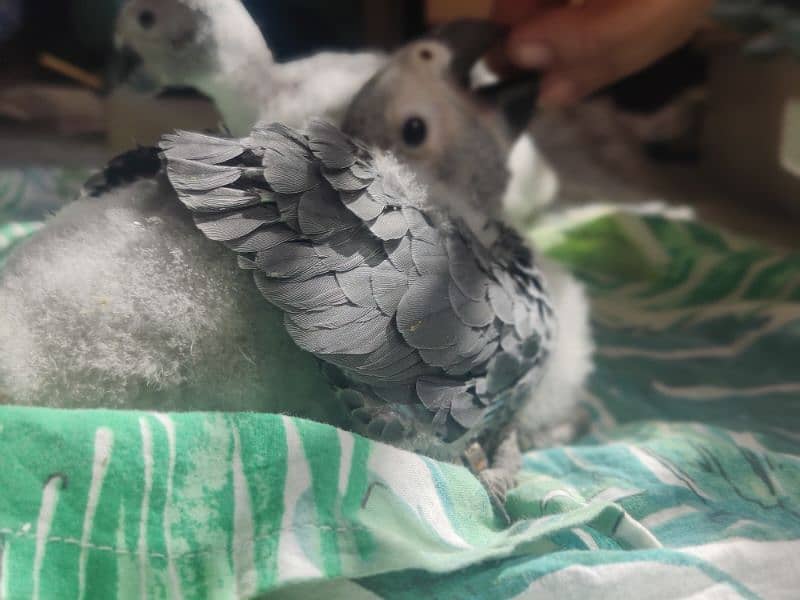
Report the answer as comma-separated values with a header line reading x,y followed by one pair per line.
x,y
415,132
147,19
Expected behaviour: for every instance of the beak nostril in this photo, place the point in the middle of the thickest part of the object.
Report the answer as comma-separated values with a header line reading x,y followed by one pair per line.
x,y
147,19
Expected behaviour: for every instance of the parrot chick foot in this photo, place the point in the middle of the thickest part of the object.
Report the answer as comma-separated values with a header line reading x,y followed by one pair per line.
x,y
499,476
380,423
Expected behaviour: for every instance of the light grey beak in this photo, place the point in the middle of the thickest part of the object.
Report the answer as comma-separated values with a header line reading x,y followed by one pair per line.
x,y
470,40
515,99
125,68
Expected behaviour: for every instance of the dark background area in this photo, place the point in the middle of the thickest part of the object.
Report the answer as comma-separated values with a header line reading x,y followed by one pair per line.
x,y
79,31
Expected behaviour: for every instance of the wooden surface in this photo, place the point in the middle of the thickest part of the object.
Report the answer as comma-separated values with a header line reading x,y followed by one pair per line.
x,y
136,119
61,109
744,128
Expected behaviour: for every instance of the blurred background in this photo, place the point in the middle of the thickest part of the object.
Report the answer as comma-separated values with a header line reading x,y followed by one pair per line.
x,y
716,125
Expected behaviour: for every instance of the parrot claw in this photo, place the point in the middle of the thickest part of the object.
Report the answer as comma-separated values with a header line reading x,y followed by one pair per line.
x,y
497,483
499,476
381,423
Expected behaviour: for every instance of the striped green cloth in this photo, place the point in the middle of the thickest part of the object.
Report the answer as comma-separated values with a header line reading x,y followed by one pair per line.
x,y
28,195
687,486
13,233
32,193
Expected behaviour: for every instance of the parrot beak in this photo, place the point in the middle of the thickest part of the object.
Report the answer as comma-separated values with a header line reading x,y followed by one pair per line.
x,y
469,40
125,68
515,99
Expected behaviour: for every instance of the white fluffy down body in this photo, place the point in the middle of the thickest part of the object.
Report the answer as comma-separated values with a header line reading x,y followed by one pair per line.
x,y
120,302
552,415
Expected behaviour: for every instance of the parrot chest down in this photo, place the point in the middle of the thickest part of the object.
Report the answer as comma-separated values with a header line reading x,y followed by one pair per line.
x,y
431,339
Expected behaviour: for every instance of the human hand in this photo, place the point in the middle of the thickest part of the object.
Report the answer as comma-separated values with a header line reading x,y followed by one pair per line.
x,y
584,45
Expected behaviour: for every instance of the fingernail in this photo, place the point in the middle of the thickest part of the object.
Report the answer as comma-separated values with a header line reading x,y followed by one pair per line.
x,y
558,94
531,55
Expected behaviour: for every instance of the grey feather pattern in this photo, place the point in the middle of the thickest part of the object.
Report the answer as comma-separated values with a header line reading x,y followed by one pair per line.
x,y
420,227
388,288
399,254
361,339
334,318
263,239
390,225
292,260
356,285
474,313
320,214
188,145
198,176
290,174
403,370
362,206
236,224
277,136
405,305
299,296
502,303
345,181
221,199
333,149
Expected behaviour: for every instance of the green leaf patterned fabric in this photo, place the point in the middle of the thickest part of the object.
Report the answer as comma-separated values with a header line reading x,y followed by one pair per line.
x,y
31,193
687,486
28,195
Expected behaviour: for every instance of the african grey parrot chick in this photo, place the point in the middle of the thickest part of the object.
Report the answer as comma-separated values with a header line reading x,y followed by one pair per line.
x,y
434,338
215,47
422,106
457,139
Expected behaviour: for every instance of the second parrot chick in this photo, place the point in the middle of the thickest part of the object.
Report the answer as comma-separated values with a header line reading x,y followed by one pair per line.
x,y
423,108
215,47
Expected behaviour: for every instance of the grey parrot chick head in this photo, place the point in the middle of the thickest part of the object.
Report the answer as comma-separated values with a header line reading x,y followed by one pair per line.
x,y
166,43
423,108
